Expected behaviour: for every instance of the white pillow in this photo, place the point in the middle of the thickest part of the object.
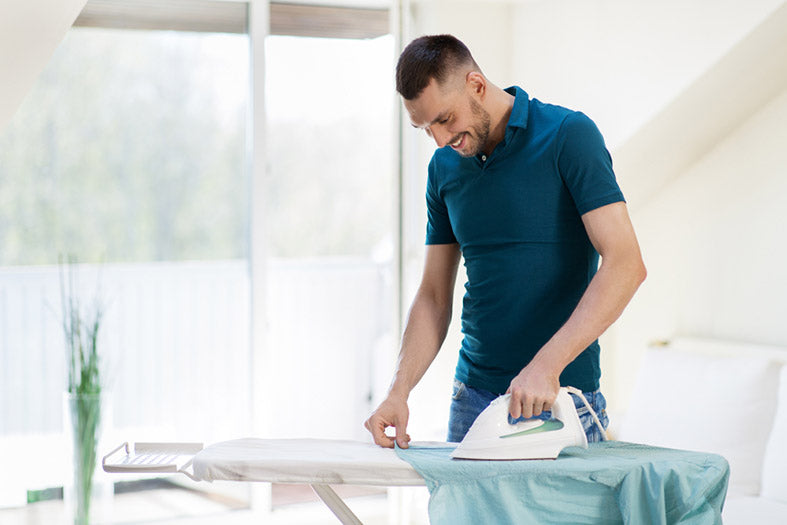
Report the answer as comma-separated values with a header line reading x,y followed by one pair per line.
x,y
753,510
723,405
774,469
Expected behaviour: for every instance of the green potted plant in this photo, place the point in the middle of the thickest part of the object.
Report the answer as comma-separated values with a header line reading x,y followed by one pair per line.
x,y
85,401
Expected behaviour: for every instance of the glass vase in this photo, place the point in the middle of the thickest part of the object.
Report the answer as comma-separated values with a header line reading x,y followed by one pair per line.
x,y
88,491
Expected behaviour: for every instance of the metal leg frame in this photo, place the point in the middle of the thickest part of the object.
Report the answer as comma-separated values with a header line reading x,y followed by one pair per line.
x,y
337,506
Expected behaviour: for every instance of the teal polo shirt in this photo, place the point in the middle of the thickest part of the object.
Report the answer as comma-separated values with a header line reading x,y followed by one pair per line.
x,y
516,215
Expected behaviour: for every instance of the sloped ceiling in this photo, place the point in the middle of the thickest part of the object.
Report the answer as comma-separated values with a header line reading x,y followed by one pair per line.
x,y
720,100
30,31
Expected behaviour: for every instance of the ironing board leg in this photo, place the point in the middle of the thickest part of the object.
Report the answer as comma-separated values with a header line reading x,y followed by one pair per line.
x,y
337,506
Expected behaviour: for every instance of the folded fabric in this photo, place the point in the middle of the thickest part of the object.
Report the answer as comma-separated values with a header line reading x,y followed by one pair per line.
x,y
610,482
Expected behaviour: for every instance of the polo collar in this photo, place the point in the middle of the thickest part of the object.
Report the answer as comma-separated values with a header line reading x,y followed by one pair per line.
x,y
518,117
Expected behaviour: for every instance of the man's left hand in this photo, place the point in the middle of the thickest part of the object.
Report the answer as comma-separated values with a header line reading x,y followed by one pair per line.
x,y
532,391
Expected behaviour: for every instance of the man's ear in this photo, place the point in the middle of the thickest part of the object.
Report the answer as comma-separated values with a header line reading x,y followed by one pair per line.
x,y
475,83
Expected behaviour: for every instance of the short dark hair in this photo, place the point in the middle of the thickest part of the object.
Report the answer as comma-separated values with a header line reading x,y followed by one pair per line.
x,y
427,58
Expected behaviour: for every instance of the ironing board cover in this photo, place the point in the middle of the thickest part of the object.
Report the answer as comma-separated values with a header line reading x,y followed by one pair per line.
x,y
313,461
610,482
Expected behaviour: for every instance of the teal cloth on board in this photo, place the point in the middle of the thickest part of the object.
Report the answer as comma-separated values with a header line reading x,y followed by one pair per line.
x,y
610,482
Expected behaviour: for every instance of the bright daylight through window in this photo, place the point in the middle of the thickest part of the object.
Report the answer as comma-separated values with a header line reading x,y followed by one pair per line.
x,y
130,153
130,148
329,203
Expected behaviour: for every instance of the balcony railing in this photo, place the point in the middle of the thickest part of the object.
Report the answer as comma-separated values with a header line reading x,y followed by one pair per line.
x,y
176,337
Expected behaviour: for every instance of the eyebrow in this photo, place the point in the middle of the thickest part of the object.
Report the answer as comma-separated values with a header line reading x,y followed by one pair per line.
x,y
437,119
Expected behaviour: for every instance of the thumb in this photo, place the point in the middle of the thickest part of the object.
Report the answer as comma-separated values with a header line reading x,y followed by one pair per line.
x,y
401,434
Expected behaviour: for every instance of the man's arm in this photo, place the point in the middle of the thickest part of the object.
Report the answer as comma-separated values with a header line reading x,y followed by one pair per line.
x,y
620,274
427,325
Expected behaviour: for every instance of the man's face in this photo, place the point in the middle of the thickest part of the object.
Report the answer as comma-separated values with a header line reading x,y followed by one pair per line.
x,y
450,115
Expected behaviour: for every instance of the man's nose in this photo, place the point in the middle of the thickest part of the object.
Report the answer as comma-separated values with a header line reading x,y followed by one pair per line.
x,y
440,135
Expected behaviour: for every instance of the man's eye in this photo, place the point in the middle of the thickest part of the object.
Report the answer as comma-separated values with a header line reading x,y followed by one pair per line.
x,y
446,119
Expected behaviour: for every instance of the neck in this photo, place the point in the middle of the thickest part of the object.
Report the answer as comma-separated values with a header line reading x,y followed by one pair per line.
x,y
499,105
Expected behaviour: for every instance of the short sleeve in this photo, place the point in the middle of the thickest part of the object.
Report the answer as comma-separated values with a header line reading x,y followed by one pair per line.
x,y
438,226
585,164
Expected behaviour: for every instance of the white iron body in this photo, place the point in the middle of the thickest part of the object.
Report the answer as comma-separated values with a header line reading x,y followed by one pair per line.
x,y
492,437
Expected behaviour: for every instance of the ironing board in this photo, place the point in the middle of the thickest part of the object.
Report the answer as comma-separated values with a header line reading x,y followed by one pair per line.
x,y
315,462
320,462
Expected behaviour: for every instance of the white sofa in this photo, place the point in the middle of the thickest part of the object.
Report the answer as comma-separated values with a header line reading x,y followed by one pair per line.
x,y
721,397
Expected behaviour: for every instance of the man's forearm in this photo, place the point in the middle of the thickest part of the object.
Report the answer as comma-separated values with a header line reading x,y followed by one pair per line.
x,y
427,325
425,331
607,295
621,272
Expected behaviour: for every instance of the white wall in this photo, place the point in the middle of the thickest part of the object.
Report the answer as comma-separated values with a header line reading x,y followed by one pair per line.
x,y
714,244
622,61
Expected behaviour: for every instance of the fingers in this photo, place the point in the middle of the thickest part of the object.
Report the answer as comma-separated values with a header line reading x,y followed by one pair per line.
x,y
377,427
527,408
527,405
389,415
402,439
515,407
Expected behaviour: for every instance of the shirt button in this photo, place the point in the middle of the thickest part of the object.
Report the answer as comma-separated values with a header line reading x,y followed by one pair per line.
x,y
483,158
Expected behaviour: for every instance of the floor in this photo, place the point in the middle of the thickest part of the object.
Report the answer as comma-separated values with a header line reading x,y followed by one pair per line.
x,y
165,503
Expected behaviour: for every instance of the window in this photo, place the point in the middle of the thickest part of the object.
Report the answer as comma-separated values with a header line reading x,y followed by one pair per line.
x,y
330,208
131,147
130,153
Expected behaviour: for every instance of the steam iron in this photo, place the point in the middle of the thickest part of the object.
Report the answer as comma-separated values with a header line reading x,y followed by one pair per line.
x,y
492,437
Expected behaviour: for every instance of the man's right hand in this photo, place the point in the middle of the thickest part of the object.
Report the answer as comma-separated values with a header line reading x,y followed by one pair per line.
x,y
392,412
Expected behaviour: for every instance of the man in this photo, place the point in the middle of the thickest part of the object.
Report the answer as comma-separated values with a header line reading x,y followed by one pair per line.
x,y
525,192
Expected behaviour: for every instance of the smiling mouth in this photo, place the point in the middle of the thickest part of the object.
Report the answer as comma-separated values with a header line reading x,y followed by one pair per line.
x,y
458,141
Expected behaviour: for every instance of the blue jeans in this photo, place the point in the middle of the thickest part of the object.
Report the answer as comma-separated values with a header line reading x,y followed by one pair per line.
x,y
467,402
